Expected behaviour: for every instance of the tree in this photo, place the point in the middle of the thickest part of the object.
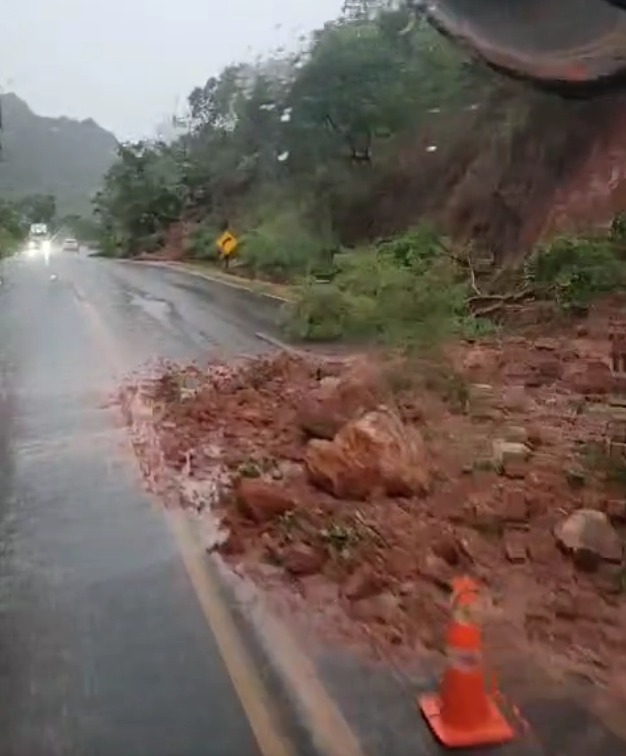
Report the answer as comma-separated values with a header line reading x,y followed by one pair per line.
x,y
143,193
308,130
39,208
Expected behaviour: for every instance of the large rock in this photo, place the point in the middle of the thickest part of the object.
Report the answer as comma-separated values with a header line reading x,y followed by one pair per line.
x,y
262,500
301,559
374,453
591,377
589,537
325,410
383,608
362,583
506,452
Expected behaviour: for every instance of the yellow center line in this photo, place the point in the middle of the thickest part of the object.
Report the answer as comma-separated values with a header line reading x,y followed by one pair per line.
x,y
331,733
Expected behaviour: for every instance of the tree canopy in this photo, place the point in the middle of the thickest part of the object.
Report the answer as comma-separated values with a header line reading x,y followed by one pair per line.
x,y
302,127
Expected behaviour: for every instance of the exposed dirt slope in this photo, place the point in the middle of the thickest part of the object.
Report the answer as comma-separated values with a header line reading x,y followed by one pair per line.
x,y
522,167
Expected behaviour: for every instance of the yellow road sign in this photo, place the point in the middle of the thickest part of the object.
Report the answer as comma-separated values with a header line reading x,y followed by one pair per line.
x,y
227,243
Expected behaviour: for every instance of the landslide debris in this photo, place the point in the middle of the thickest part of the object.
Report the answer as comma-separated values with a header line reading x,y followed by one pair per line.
x,y
380,480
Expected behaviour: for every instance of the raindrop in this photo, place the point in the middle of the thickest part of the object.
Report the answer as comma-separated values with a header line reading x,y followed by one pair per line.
x,y
431,148
283,156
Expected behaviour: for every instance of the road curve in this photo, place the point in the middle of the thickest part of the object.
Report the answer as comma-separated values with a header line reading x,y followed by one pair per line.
x,y
115,635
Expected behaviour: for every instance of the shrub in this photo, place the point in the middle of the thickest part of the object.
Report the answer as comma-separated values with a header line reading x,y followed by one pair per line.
x,y
282,248
416,249
399,296
201,245
318,313
575,270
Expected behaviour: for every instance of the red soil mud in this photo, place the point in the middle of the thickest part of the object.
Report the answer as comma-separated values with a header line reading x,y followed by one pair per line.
x,y
475,467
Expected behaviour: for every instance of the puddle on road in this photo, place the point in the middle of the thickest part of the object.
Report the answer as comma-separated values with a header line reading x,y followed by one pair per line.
x,y
156,308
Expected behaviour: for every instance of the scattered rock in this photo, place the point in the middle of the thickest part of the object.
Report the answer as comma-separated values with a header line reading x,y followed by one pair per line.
x,y
564,606
515,507
592,377
515,469
362,583
447,548
481,398
549,369
547,344
232,545
509,451
616,510
375,452
480,359
536,436
262,500
300,559
590,538
383,608
324,411
319,418
542,549
515,546
515,399
575,477
436,571
537,611
330,383
516,434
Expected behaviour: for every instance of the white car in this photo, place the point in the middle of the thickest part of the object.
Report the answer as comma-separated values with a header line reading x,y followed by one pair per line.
x,y
70,245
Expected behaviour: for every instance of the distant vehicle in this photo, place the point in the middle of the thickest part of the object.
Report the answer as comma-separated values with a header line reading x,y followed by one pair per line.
x,y
38,230
70,245
38,240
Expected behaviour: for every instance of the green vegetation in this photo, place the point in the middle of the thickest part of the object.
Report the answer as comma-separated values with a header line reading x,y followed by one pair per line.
x,y
575,270
12,229
404,292
296,153
287,151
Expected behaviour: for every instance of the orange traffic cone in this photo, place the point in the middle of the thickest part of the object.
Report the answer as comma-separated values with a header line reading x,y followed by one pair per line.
x,y
462,714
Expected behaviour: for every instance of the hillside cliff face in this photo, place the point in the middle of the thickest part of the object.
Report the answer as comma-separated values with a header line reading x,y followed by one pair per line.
x,y
58,156
525,167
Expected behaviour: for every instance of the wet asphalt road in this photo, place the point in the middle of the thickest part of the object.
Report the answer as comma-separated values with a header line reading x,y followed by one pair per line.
x,y
103,646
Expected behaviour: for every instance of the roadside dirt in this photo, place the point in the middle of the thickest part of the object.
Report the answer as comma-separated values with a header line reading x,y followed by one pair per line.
x,y
471,463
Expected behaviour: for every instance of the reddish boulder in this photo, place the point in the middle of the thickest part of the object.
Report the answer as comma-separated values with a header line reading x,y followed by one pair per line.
x,y
592,377
547,344
262,500
590,538
383,608
616,510
544,371
232,545
447,548
300,559
325,410
515,546
375,452
320,417
362,583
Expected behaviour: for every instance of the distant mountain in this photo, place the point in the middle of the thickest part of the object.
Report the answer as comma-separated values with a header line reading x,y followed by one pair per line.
x,y
57,156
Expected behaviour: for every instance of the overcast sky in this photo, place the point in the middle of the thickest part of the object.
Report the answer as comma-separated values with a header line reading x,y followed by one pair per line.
x,y
130,63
